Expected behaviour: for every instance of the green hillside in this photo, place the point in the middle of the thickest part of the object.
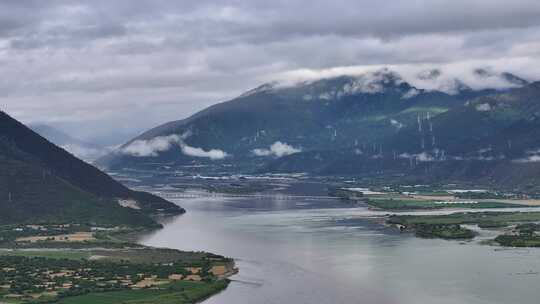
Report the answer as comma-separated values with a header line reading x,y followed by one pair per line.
x,y
328,114
374,123
41,182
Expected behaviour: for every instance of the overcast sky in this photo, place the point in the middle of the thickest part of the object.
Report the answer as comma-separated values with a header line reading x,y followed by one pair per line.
x,y
95,66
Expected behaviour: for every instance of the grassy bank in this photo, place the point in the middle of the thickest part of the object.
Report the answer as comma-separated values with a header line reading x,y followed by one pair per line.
x,y
400,204
524,234
449,232
175,293
518,241
62,263
466,218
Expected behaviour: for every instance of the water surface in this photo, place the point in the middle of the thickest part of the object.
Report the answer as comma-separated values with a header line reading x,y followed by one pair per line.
x,y
327,251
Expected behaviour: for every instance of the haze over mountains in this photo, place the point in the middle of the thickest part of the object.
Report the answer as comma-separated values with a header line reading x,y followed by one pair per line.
x,y
40,182
80,148
372,122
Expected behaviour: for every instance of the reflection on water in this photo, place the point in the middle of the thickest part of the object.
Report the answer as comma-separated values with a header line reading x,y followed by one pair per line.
x,y
324,251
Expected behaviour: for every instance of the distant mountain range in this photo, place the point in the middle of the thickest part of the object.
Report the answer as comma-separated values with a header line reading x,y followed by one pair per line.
x,y
84,150
41,182
374,122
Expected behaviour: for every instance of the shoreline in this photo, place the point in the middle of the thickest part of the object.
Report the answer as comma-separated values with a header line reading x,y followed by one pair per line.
x,y
202,276
516,229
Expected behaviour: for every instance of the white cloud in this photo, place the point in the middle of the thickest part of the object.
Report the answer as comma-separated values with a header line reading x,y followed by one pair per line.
x,y
86,153
214,154
410,94
528,159
445,76
396,124
277,149
262,152
152,147
422,157
483,107
109,61
369,83
532,156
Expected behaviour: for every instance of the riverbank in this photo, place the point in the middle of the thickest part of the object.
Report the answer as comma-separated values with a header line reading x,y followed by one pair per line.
x,y
424,197
65,263
515,229
331,251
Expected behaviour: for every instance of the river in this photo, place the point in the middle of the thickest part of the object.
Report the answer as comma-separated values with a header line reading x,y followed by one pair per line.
x,y
325,251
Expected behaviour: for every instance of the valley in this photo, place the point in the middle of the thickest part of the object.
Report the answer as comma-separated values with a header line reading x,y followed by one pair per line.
x,y
67,229
272,152
431,211
116,229
295,235
368,125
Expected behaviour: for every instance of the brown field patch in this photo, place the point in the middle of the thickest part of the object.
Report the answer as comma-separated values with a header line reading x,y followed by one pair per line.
x,y
74,237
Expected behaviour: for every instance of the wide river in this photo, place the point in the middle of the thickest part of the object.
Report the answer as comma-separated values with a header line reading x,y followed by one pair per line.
x,y
303,250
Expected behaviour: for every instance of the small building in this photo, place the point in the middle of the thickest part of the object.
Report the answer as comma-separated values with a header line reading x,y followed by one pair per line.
x,y
218,270
145,283
194,270
193,277
175,277
67,285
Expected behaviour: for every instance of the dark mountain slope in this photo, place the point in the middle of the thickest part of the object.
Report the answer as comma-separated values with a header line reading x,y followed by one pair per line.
x,y
39,175
491,139
373,124
501,124
31,194
342,112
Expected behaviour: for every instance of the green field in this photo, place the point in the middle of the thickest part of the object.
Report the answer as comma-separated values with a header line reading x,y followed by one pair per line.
x,y
176,293
525,234
64,277
466,218
51,254
400,204
134,255
449,232
518,241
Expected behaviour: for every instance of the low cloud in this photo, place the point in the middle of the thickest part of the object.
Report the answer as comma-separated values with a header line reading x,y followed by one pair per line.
x,y
86,153
213,154
396,124
165,60
277,149
152,147
421,157
450,78
532,156
528,159
483,107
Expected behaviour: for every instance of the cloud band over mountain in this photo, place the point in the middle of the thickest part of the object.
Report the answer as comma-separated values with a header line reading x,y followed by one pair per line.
x,y
152,147
107,61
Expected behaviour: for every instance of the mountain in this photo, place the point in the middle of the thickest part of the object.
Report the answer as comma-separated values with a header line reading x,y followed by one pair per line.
x,y
79,148
41,182
274,124
491,139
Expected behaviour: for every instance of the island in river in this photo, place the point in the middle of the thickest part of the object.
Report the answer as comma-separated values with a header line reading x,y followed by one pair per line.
x,y
517,228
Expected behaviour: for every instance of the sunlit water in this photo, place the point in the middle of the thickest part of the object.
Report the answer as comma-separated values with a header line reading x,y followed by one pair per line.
x,y
324,251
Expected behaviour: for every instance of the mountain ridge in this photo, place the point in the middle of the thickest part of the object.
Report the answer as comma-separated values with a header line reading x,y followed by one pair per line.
x,y
472,142
366,115
29,163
